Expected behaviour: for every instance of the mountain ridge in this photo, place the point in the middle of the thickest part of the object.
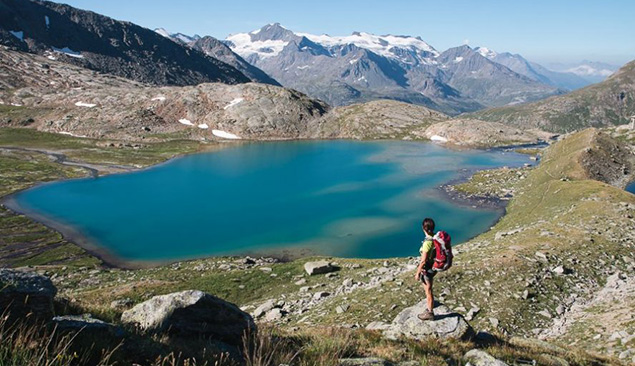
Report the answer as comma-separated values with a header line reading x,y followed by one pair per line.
x,y
402,68
94,41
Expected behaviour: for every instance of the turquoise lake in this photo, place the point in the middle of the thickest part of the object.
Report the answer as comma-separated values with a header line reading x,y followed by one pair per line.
x,y
339,198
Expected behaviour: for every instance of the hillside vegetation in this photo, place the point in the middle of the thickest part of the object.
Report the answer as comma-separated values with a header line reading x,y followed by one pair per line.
x,y
561,253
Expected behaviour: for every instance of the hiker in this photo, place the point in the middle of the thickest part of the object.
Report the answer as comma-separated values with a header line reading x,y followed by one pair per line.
x,y
436,256
425,272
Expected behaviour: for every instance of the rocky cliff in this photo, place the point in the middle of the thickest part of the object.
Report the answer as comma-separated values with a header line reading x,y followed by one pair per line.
x,y
94,41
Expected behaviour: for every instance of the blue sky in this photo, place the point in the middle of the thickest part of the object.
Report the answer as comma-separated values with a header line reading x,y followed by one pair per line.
x,y
542,31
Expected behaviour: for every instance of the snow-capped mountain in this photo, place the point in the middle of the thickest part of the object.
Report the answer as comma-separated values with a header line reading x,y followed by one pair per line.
x,y
565,80
220,51
364,66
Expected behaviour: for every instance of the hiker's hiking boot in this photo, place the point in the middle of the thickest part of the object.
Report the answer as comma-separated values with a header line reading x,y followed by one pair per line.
x,y
426,315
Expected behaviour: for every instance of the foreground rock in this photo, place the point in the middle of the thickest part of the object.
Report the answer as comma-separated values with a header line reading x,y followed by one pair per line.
x,y
26,294
373,361
447,325
481,358
87,325
191,313
319,267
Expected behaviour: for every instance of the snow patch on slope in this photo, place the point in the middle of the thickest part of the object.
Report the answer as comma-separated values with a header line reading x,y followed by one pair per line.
x,y
381,45
87,105
68,52
233,103
486,52
225,135
245,47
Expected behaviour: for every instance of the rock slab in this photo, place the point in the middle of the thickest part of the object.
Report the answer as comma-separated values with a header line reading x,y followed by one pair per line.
x,y
477,357
87,325
319,267
447,325
26,294
191,312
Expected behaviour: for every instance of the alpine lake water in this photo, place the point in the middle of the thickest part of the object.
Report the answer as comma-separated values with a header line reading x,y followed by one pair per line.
x,y
336,198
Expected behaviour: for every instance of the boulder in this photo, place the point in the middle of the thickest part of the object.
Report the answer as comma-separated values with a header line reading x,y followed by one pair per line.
x,y
481,358
264,308
26,295
373,361
447,325
191,313
319,267
368,361
274,314
87,325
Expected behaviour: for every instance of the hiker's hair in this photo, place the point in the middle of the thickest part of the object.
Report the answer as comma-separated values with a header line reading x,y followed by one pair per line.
x,y
428,225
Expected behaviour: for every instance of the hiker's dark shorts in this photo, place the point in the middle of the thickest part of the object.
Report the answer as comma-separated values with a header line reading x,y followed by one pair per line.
x,y
427,274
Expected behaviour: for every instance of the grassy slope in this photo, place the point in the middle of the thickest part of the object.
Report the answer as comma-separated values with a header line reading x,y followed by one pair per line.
x,y
541,197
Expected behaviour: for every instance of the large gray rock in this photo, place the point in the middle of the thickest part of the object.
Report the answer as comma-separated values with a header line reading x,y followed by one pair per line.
x,y
373,361
191,313
87,325
368,361
26,294
406,324
481,358
319,267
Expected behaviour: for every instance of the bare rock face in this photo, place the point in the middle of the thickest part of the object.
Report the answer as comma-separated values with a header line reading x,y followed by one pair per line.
x,y
481,358
447,325
26,294
471,132
319,267
191,313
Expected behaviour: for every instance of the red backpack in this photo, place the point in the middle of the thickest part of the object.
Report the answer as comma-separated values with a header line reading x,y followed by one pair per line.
x,y
443,246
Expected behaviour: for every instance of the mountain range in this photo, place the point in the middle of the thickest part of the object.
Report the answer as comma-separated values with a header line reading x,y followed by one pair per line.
x,y
363,66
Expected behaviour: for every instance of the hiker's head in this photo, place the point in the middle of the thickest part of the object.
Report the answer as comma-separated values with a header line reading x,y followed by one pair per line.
x,y
428,226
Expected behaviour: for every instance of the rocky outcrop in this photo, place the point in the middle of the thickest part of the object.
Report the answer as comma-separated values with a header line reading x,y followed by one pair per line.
x,y
376,119
64,99
319,267
191,313
26,295
447,325
477,357
608,161
469,132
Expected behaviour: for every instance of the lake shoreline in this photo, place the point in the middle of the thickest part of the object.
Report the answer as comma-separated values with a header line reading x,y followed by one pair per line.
x,y
111,260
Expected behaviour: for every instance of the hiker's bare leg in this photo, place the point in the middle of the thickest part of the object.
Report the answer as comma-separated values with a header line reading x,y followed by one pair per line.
x,y
429,296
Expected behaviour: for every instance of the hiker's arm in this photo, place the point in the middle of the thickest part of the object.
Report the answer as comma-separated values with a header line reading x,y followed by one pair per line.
x,y
424,259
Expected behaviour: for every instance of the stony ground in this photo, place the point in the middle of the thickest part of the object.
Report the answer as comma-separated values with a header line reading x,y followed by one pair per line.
x,y
558,266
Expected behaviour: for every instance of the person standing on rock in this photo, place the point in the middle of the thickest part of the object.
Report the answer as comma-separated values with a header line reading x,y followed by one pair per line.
x,y
425,272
